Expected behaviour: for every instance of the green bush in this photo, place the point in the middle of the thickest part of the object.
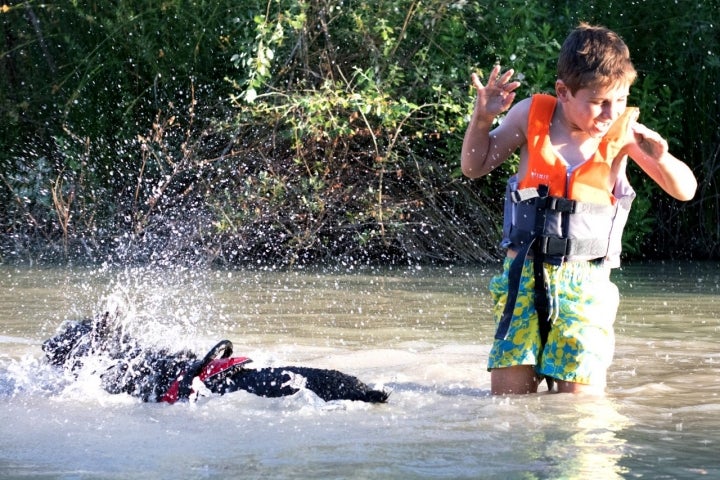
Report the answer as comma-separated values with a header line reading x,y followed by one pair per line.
x,y
281,131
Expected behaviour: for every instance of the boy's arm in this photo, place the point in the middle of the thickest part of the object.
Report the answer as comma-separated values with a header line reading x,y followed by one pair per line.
x,y
650,151
483,150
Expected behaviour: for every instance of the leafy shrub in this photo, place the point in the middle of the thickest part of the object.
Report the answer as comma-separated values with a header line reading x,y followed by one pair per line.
x,y
285,131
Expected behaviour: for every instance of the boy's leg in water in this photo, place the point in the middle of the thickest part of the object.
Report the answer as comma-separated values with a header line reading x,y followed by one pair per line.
x,y
574,387
522,379
518,379
581,343
512,361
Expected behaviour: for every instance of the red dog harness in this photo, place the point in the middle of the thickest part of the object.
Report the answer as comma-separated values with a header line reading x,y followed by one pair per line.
x,y
209,367
215,367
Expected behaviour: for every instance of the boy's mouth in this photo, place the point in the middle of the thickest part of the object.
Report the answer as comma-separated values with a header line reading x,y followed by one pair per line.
x,y
603,126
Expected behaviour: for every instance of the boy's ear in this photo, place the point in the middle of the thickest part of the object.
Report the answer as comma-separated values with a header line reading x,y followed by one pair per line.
x,y
562,92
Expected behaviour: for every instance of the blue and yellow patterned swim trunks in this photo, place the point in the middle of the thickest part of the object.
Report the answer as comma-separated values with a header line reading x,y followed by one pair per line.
x,y
583,304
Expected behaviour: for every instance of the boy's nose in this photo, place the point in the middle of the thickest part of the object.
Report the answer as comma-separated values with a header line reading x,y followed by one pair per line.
x,y
610,112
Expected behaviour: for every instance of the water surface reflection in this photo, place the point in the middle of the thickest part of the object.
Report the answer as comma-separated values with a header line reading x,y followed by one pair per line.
x,y
422,332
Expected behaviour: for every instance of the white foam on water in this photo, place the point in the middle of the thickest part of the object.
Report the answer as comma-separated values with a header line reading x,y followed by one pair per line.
x,y
427,345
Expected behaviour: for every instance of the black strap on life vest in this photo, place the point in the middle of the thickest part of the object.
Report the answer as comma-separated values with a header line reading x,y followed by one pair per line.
x,y
542,304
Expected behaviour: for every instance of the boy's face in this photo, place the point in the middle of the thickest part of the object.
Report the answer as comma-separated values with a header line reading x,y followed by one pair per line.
x,y
594,109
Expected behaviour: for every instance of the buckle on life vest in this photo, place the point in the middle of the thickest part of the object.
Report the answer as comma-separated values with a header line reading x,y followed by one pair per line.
x,y
553,246
559,204
524,195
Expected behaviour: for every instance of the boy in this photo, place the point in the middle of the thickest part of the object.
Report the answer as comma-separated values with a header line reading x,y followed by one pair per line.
x,y
565,209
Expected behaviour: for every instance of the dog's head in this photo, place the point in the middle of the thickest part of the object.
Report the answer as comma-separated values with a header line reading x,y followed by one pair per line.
x,y
79,338
69,342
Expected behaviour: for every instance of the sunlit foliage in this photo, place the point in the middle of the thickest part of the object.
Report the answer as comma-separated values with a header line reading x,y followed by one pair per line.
x,y
277,132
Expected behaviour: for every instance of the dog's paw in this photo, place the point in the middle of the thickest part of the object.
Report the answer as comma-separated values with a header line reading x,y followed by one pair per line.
x,y
198,389
296,381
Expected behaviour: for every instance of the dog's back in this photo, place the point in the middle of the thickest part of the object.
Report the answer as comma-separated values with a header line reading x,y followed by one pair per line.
x,y
281,381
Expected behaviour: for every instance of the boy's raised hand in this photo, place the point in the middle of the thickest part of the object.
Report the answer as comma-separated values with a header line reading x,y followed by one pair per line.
x,y
650,152
496,96
649,141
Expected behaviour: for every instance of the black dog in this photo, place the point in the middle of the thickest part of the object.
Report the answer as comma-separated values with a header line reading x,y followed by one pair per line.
x,y
159,375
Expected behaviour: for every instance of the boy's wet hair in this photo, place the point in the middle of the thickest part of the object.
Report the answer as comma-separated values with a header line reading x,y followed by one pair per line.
x,y
594,56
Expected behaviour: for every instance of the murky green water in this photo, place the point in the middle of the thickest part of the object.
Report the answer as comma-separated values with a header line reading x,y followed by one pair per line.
x,y
424,333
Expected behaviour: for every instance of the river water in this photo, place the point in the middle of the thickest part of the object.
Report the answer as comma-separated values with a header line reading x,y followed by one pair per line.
x,y
423,333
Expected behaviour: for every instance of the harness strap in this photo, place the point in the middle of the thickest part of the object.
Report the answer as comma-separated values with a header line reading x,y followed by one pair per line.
x,y
514,275
515,270
542,308
561,204
182,387
565,247
542,305
541,301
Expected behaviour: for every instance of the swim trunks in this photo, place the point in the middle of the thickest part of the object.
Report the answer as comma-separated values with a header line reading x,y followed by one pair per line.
x,y
583,305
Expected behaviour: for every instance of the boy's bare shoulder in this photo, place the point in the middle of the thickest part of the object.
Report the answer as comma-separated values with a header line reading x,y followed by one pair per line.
x,y
524,105
517,116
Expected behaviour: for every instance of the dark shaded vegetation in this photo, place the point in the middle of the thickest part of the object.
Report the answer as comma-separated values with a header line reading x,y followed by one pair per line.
x,y
276,132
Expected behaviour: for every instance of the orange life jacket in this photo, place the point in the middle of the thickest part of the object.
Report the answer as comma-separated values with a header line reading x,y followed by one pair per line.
x,y
576,216
562,217
589,182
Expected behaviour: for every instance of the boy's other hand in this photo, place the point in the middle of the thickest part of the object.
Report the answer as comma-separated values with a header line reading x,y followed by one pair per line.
x,y
650,142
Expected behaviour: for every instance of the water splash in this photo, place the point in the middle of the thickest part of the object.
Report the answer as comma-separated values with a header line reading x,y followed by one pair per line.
x,y
167,306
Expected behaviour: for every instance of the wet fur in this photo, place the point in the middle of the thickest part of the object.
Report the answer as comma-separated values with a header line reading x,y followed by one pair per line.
x,y
147,373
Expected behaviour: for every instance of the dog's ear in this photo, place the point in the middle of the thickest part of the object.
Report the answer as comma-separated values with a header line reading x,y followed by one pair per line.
x,y
60,348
